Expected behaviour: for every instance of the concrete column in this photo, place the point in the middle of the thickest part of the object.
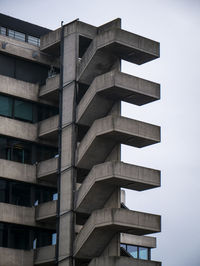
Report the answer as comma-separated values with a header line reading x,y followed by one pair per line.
x,y
68,172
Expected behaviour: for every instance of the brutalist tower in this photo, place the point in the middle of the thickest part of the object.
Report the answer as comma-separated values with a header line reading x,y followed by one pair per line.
x,y
61,130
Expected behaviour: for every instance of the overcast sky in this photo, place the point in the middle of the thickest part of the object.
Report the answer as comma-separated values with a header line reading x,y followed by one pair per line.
x,y
176,25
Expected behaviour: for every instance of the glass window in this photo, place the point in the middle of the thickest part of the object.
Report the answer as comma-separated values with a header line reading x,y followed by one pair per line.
x,y
20,36
21,151
23,110
123,246
3,190
11,33
54,239
6,106
143,253
18,237
3,31
33,40
133,251
3,148
21,194
3,235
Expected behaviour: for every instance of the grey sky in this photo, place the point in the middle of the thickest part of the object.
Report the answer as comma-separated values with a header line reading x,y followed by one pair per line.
x,y
175,24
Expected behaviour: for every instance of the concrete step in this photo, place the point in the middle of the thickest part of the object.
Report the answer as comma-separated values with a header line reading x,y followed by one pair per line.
x,y
122,261
47,171
103,224
48,129
45,256
108,88
106,132
50,91
46,212
111,44
104,178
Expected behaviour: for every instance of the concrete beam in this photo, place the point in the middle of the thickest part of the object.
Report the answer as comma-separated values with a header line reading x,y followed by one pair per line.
x,y
119,261
27,51
106,132
50,91
17,171
143,241
104,178
48,129
103,224
47,171
46,212
107,45
114,86
15,257
44,256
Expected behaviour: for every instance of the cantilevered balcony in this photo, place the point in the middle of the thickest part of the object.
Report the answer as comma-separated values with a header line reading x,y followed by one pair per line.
x,y
103,224
108,88
47,171
46,212
48,129
103,178
106,132
15,257
122,261
115,43
50,90
44,256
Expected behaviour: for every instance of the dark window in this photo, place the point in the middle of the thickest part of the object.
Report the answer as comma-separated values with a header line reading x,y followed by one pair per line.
x,y
23,110
3,190
19,237
3,235
20,194
11,33
6,106
20,152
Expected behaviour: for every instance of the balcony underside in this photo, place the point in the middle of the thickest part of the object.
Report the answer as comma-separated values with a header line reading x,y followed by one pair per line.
x,y
108,88
50,91
109,45
47,171
103,224
105,133
104,178
122,261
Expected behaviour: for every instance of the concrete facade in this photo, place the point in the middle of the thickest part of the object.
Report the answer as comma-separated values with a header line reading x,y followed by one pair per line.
x,y
86,222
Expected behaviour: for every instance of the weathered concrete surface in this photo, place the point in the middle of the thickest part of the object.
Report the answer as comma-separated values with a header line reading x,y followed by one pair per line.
x,y
49,91
48,128
143,241
46,211
15,257
106,132
17,214
17,171
18,129
103,224
47,171
26,51
22,89
44,256
111,87
122,261
99,57
104,178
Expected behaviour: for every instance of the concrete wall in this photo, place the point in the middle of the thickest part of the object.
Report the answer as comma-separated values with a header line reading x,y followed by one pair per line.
x,y
15,257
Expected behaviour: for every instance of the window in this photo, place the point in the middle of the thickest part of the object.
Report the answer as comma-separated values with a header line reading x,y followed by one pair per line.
x,y
133,251
11,33
23,110
19,36
137,252
20,194
3,31
6,106
33,40
143,253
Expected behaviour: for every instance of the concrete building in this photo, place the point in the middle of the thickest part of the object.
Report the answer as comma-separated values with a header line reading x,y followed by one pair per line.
x,y
61,129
